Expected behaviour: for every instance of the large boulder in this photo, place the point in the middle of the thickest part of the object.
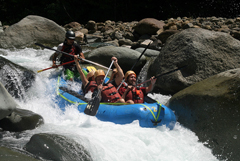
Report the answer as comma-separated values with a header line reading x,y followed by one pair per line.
x,y
9,154
20,120
148,52
7,103
210,108
30,30
205,52
56,147
163,36
148,26
15,78
126,57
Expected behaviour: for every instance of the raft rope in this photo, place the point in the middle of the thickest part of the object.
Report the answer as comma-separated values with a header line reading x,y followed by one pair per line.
x,y
158,113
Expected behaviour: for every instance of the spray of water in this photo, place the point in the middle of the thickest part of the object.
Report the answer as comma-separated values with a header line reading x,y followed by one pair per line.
x,y
104,140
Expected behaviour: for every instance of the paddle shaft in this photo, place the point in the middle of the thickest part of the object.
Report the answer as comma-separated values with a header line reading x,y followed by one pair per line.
x,y
56,66
93,105
71,55
140,56
105,76
159,75
135,63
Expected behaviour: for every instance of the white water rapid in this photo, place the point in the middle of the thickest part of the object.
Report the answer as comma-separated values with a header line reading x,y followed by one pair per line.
x,y
105,141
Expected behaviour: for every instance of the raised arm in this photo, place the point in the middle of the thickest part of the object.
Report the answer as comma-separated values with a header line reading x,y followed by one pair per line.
x,y
150,87
120,77
82,75
81,55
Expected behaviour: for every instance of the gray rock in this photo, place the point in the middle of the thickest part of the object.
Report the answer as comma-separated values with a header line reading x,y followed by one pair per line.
x,y
56,147
148,52
7,103
8,154
163,36
30,30
210,108
15,78
126,57
205,52
21,120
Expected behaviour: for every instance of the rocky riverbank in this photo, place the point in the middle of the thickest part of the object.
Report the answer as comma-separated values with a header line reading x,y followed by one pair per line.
x,y
118,33
204,94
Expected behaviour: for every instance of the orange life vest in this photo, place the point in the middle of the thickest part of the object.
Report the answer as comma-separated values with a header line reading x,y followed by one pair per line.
x,y
110,94
137,95
90,87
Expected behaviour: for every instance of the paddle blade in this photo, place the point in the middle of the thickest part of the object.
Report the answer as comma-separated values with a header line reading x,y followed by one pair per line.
x,y
92,106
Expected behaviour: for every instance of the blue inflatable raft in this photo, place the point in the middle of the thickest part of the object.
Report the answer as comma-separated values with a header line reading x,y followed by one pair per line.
x,y
150,114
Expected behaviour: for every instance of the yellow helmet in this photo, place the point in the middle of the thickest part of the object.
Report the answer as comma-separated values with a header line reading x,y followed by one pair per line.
x,y
129,73
99,73
90,74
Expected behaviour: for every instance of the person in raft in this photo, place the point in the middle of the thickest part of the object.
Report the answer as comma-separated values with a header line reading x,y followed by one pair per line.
x,y
109,92
88,83
132,94
117,74
72,48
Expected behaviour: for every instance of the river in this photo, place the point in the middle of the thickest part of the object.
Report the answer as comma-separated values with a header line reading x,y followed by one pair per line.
x,y
105,141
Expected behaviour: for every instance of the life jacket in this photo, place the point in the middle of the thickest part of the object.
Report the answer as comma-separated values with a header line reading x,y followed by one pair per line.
x,y
110,94
70,49
137,94
90,87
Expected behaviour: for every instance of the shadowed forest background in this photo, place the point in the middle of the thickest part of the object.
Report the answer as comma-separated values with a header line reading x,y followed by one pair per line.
x,y
62,12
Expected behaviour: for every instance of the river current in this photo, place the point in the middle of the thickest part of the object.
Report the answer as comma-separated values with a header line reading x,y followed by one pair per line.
x,y
105,141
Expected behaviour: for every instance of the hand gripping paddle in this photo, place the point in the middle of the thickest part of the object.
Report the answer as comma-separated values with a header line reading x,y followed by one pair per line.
x,y
93,105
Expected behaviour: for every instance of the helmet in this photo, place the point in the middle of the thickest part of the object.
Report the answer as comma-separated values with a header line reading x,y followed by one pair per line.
x,y
90,74
99,73
70,35
129,73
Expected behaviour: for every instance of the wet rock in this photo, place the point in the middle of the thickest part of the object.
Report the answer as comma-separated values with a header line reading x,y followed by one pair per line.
x,y
7,154
210,108
7,103
20,120
56,147
15,78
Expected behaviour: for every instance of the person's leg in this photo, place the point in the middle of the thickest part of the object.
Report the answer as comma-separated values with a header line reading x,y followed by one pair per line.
x,y
130,101
120,101
69,74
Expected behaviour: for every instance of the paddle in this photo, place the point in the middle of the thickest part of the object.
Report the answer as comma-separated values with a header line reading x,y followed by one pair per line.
x,y
93,105
159,75
135,63
70,55
57,66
